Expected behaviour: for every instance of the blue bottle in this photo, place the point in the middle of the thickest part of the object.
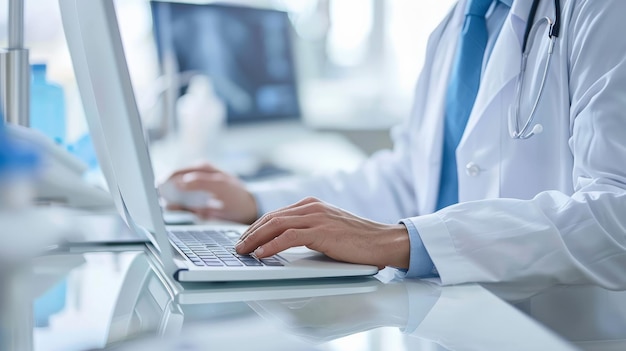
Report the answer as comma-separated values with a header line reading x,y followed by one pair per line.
x,y
47,105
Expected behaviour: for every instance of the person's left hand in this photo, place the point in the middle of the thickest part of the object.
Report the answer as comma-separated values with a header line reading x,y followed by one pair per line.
x,y
327,229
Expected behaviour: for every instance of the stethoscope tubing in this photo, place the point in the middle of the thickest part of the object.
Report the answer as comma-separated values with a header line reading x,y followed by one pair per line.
x,y
554,28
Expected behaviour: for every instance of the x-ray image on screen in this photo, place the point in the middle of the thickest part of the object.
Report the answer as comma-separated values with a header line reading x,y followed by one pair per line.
x,y
245,51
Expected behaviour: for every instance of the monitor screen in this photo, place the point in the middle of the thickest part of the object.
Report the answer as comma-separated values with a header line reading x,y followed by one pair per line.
x,y
245,51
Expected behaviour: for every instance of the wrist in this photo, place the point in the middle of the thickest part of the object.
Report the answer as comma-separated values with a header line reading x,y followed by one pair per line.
x,y
396,246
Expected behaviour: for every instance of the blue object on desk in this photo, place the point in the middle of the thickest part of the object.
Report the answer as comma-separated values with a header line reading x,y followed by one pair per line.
x,y
15,157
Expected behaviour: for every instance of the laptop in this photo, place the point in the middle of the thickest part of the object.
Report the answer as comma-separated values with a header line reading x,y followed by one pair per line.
x,y
186,253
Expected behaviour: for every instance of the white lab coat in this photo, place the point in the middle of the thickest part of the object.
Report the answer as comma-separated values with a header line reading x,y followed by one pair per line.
x,y
543,211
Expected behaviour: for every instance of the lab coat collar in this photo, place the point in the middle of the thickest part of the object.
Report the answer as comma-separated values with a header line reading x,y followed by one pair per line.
x,y
520,9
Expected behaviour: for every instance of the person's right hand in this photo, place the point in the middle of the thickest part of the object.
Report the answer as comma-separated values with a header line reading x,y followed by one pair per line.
x,y
237,203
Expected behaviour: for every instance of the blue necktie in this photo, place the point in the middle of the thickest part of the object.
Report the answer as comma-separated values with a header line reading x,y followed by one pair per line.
x,y
461,94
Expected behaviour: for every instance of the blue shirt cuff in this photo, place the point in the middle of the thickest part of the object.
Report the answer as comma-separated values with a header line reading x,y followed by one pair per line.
x,y
420,263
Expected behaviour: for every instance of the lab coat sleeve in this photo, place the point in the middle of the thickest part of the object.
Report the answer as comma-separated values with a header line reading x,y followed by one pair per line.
x,y
556,238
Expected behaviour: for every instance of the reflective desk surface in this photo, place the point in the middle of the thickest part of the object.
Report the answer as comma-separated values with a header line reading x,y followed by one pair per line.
x,y
118,300
115,298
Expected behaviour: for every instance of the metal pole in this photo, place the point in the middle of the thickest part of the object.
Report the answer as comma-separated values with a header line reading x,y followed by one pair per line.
x,y
16,24
15,69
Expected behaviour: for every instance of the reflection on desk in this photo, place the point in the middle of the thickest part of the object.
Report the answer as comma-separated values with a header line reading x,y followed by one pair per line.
x,y
119,301
591,317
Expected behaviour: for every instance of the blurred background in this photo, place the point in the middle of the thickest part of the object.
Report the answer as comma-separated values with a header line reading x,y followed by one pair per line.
x,y
341,66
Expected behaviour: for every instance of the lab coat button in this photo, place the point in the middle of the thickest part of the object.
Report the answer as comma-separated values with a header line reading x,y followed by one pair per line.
x,y
472,169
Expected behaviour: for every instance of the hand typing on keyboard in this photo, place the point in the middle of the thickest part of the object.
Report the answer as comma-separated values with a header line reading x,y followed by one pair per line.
x,y
216,249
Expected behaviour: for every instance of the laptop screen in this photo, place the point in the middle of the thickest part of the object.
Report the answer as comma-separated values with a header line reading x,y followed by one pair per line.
x,y
95,45
245,51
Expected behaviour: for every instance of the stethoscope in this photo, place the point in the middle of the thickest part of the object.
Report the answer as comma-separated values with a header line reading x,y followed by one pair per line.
x,y
516,129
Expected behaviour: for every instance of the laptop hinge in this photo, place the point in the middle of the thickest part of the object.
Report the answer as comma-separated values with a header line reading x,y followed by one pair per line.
x,y
159,242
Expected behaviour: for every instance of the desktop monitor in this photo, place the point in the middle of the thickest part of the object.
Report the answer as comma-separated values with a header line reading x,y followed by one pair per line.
x,y
245,51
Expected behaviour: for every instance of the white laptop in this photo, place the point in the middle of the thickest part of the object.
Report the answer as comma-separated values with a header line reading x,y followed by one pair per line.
x,y
187,253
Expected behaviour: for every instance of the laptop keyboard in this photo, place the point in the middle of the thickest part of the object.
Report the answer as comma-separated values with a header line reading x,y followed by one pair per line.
x,y
214,248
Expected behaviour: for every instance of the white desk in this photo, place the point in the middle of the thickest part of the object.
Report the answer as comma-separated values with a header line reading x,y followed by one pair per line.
x,y
112,297
117,298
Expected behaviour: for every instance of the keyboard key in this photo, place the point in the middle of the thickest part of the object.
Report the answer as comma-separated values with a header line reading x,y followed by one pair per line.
x,y
214,263
204,256
272,262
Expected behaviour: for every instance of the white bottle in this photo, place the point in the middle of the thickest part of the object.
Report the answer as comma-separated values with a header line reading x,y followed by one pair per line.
x,y
202,118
